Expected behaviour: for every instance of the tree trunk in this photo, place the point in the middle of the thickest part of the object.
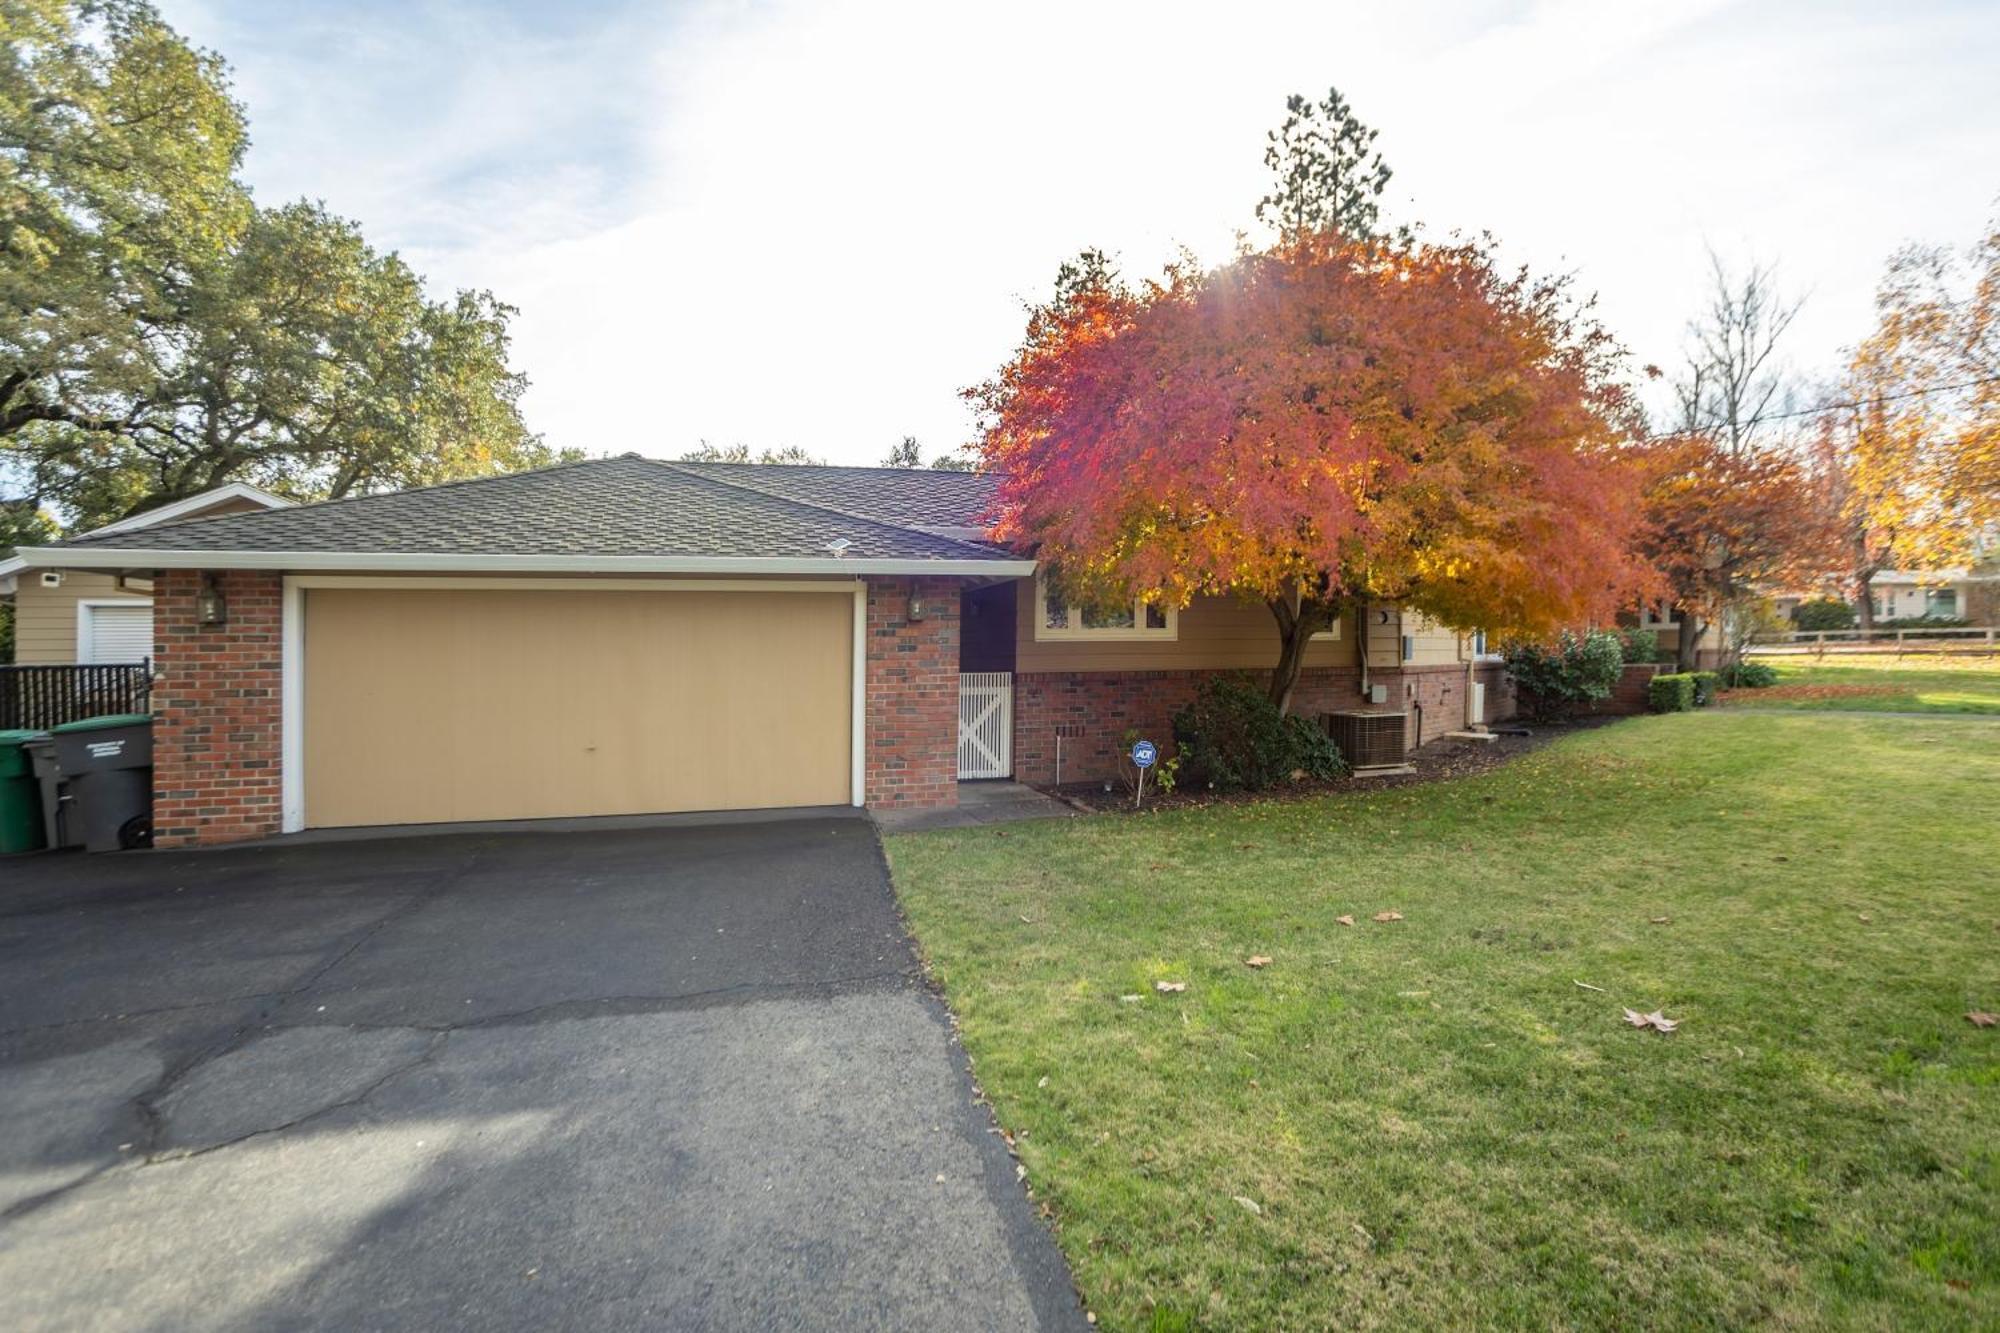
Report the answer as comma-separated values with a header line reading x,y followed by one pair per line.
x,y
1687,649
1864,599
1296,626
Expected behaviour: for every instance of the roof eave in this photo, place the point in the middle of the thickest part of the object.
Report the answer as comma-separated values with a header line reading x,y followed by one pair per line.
x,y
120,557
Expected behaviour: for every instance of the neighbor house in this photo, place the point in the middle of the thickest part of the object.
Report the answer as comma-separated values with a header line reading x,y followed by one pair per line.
x,y
64,616
624,636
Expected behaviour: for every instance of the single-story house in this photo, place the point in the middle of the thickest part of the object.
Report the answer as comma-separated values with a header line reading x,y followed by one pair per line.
x,y
91,616
625,635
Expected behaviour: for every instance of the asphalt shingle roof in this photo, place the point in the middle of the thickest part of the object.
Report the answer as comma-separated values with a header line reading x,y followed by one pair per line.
x,y
624,506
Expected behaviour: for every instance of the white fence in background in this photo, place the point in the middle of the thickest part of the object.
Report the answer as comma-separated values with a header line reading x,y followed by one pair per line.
x,y
986,724
1934,639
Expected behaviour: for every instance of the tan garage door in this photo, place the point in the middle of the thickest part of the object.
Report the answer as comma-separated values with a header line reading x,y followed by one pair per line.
x,y
432,705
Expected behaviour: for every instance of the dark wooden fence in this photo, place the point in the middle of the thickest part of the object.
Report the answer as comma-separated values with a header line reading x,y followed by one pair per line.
x,y
39,697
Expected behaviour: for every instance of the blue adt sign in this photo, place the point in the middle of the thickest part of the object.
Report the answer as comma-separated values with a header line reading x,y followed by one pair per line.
x,y
1145,754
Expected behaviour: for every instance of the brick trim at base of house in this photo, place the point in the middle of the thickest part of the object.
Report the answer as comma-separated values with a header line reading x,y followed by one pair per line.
x,y
218,700
1092,712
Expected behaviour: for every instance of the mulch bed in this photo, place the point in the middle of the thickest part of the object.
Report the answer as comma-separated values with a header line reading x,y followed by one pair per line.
x,y
1439,761
1774,692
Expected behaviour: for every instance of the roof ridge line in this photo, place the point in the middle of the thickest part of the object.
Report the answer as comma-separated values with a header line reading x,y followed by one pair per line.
x,y
677,466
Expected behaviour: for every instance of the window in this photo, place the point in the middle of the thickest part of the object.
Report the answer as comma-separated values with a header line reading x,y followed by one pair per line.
x,y
1479,643
1942,603
113,631
1056,619
1409,646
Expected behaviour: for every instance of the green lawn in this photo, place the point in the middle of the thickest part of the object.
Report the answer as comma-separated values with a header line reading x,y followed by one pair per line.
x,y
1882,684
1432,1124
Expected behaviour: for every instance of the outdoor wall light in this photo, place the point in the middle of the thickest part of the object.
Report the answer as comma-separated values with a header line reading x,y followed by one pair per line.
x,y
917,608
210,607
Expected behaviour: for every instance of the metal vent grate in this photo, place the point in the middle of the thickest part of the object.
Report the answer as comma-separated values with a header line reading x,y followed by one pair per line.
x,y
1370,740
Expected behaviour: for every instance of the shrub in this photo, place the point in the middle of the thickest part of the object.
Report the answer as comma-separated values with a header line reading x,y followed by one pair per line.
x,y
1705,683
1671,693
1923,622
1823,613
1558,676
1639,645
1232,737
1749,676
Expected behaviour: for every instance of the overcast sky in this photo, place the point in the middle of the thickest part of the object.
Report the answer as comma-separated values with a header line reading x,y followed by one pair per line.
x,y
811,222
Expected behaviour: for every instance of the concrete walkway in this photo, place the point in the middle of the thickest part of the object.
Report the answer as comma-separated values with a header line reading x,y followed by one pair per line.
x,y
993,802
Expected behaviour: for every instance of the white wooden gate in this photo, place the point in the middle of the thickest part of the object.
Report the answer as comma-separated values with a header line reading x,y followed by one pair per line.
x,y
986,724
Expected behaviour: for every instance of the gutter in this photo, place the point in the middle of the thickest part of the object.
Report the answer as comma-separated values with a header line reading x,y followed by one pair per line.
x,y
129,557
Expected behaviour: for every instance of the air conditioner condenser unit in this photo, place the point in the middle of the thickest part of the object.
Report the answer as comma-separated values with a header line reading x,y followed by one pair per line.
x,y
1370,742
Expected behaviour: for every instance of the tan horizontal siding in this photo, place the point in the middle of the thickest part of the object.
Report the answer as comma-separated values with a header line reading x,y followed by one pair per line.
x,y
45,618
1215,633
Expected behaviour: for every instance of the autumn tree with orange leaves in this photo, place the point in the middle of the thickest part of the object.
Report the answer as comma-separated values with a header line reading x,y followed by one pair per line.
x,y
1910,462
1319,425
1721,524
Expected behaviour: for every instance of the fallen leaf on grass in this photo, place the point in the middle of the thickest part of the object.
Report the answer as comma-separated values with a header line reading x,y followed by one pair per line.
x,y
1979,1018
1656,1020
1249,1204
1130,999
1661,920
1388,916
1345,920
1958,1284
1256,960
1864,918
1042,1082
1587,986
1169,987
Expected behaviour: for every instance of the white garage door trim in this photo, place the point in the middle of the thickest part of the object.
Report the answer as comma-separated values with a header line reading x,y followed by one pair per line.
x,y
89,623
293,686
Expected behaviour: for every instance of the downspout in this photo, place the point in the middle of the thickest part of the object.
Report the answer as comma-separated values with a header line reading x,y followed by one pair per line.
x,y
1471,668
1361,645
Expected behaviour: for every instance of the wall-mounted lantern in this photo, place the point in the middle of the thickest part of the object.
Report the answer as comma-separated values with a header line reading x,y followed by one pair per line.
x,y
210,607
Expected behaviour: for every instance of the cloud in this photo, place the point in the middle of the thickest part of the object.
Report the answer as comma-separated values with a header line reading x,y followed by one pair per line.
x,y
812,223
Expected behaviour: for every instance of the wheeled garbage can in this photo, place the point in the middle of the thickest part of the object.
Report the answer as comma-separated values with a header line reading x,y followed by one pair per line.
x,y
58,829
20,796
108,762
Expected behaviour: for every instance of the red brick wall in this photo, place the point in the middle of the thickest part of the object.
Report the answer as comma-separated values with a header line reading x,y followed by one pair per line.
x,y
912,728
216,743
1628,696
1095,709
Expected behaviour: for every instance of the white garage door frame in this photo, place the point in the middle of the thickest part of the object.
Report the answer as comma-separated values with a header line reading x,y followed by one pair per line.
x,y
292,775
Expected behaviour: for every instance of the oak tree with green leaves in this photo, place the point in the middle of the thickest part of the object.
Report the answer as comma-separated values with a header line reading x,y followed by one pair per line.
x,y
161,334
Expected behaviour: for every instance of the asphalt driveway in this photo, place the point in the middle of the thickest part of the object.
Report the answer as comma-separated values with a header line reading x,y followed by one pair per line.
x,y
668,1077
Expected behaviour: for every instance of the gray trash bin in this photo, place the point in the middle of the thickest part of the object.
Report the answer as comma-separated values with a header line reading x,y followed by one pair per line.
x,y
108,762
58,829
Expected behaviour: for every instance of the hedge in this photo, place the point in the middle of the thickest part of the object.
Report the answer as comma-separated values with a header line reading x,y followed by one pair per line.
x,y
1672,693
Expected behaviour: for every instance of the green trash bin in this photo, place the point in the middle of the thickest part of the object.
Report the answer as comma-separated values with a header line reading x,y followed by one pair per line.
x,y
20,795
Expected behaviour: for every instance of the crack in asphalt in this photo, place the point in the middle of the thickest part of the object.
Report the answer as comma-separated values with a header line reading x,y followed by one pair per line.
x,y
147,1101
429,1053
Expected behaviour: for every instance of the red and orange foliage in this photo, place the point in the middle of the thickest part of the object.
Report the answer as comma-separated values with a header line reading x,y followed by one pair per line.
x,y
1318,426
1721,524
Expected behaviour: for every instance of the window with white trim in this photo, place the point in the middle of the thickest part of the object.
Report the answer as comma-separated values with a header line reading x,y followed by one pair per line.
x,y
119,631
1057,619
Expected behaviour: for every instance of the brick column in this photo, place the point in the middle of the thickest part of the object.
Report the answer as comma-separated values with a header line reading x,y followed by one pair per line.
x,y
912,723
217,739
